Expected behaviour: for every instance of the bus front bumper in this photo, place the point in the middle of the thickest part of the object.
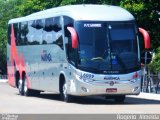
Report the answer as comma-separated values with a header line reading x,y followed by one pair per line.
x,y
80,88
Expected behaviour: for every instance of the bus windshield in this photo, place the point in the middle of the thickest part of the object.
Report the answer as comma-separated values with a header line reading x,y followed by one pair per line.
x,y
107,46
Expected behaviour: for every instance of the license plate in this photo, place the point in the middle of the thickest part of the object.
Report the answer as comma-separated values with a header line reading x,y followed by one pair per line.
x,y
111,90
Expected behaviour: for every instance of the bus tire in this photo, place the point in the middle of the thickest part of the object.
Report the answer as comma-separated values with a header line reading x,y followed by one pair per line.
x,y
17,78
27,92
63,92
21,87
119,99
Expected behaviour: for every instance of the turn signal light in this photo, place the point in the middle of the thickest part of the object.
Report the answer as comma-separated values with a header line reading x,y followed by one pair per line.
x,y
135,75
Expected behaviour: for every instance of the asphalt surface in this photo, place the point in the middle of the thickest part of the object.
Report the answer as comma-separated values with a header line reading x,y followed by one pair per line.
x,y
47,103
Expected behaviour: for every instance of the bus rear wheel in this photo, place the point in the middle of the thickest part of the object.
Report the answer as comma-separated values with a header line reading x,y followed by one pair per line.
x,y
21,87
26,90
30,92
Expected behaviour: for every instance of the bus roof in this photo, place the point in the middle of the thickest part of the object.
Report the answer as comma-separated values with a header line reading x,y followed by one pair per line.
x,y
82,12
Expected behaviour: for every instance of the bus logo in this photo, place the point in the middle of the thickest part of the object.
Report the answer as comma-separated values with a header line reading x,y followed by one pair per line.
x,y
93,25
45,56
111,83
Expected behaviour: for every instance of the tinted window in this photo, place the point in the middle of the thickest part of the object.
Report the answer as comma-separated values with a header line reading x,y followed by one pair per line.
x,y
71,53
121,31
9,34
52,33
105,46
16,30
23,31
49,24
35,30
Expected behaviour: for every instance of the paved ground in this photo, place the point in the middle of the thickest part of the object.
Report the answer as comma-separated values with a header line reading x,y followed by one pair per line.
x,y
12,102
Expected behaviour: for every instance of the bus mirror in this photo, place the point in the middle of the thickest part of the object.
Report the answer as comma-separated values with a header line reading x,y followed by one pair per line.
x,y
146,38
73,37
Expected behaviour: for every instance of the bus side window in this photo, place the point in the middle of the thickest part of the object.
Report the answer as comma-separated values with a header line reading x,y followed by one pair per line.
x,y
35,32
57,28
48,34
23,31
39,24
15,25
9,34
69,50
53,31
48,27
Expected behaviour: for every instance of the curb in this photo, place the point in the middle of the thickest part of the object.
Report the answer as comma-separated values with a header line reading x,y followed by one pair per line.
x,y
3,80
149,96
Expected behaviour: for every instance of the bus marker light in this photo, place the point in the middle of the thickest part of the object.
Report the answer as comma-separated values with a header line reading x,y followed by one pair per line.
x,y
135,75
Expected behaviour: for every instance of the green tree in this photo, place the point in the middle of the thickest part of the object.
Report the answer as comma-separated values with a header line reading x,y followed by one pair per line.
x,y
31,6
154,66
8,10
109,2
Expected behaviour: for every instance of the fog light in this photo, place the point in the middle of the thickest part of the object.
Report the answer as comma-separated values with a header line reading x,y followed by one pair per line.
x,y
133,80
135,89
84,89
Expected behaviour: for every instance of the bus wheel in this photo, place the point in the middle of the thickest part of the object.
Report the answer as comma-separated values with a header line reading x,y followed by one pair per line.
x,y
119,99
21,87
27,91
63,92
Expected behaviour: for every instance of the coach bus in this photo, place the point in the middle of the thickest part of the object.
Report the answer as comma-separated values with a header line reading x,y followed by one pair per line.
x,y
76,50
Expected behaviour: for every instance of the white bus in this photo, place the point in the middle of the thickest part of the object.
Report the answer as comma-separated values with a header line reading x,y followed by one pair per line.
x,y
76,50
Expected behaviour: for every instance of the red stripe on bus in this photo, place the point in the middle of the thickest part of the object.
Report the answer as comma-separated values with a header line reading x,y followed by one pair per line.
x,y
23,68
19,63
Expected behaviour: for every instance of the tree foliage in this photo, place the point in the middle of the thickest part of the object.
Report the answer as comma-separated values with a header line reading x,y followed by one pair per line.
x,y
31,6
154,66
7,11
